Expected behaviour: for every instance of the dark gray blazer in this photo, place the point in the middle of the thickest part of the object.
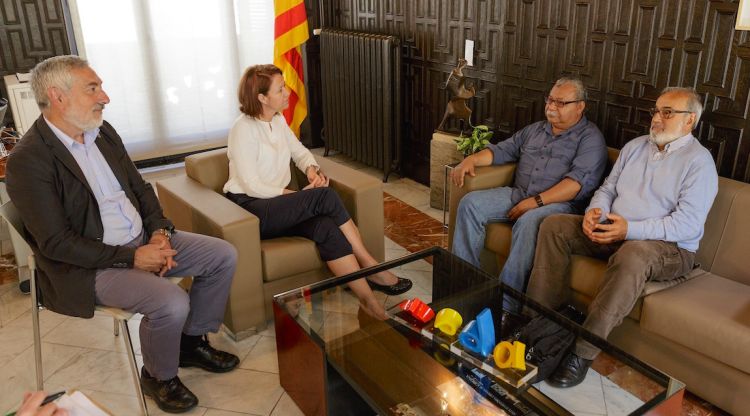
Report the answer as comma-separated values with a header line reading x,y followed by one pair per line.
x,y
62,218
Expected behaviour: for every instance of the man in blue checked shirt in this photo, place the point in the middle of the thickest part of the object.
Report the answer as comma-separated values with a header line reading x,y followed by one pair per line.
x,y
647,218
561,161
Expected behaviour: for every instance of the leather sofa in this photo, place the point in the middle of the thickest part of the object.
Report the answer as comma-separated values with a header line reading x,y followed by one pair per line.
x,y
697,331
195,202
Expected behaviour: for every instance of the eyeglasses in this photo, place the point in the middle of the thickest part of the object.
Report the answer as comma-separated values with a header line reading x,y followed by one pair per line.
x,y
666,112
558,103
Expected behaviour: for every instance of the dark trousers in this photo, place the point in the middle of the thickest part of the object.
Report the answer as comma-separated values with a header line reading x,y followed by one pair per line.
x,y
630,264
315,214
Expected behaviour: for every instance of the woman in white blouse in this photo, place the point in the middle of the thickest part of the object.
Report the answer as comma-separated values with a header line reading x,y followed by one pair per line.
x,y
260,147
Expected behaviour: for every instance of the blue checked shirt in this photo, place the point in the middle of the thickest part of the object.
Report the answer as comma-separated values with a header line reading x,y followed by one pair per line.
x,y
544,159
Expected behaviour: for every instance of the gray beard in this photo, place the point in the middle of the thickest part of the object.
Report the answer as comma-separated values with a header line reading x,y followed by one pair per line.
x,y
661,139
84,126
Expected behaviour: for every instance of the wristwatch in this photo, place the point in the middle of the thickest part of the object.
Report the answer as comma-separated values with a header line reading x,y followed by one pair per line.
x,y
166,232
538,199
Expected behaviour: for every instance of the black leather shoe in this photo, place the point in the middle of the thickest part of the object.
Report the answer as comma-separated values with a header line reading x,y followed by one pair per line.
x,y
25,287
208,358
401,286
171,395
571,371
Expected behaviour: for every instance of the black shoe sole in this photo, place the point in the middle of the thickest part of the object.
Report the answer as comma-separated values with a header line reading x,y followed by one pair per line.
x,y
402,286
564,385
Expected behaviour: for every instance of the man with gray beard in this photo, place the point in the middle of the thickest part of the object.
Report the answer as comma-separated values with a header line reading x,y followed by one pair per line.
x,y
561,161
647,218
100,238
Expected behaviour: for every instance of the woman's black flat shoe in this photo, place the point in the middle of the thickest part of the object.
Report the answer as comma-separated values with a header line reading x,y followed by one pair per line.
x,y
402,286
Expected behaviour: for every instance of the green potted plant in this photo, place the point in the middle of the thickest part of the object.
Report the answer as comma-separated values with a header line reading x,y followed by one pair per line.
x,y
480,137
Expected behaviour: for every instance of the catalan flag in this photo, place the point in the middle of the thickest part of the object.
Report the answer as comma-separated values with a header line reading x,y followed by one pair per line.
x,y
291,32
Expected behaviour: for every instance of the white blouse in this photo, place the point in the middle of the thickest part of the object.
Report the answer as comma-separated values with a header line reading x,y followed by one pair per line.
x,y
259,154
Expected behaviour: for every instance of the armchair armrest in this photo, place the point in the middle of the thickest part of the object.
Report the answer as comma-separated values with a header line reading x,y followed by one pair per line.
x,y
362,196
196,208
487,177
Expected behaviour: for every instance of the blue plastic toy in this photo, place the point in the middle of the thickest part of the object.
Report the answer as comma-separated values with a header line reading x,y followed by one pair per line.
x,y
479,335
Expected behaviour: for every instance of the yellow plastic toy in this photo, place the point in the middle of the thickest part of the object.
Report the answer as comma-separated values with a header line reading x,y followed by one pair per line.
x,y
448,321
509,355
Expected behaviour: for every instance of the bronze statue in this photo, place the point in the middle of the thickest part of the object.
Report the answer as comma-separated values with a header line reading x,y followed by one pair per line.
x,y
459,94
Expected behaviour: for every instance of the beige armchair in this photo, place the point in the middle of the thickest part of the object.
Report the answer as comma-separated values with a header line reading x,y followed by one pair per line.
x,y
195,203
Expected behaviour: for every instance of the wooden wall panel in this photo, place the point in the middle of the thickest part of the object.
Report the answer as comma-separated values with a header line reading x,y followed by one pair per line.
x,y
626,51
30,32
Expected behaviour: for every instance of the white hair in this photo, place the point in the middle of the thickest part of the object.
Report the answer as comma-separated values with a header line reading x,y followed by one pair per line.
x,y
575,82
694,104
54,72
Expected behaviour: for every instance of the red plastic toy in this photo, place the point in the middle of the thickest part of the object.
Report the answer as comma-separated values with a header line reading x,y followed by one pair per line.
x,y
417,309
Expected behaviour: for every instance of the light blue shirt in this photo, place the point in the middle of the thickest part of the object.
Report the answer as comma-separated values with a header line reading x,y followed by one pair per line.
x,y
121,221
545,159
664,195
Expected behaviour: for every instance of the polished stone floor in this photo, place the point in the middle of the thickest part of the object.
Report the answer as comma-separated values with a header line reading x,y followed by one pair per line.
x,y
84,354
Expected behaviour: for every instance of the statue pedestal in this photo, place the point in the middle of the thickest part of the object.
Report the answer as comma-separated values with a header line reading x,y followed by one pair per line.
x,y
442,152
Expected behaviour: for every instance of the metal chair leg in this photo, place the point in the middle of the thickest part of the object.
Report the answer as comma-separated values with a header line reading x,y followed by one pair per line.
x,y
117,327
35,327
133,366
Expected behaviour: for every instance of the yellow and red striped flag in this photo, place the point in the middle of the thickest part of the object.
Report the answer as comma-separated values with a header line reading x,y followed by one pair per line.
x,y
290,27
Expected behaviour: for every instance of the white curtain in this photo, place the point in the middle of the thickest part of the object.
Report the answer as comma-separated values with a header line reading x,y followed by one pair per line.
x,y
171,67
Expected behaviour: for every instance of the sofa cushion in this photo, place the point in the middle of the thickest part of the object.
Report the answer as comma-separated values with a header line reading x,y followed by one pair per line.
x,y
210,169
708,314
287,256
497,238
731,260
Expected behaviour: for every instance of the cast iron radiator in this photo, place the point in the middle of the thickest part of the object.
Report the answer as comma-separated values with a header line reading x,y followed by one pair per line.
x,y
361,77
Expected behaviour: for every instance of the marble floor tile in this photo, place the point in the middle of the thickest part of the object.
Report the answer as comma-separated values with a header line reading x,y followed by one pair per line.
x,y
286,407
635,383
262,357
99,370
244,391
586,397
435,213
411,228
242,348
13,304
17,336
420,265
619,402
605,365
18,375
393,254
269,331
95,333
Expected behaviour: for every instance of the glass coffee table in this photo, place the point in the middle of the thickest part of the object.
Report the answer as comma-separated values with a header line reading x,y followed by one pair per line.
x,y
336,360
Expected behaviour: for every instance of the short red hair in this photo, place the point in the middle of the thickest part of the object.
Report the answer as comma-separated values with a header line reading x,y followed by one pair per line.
x,y
256,80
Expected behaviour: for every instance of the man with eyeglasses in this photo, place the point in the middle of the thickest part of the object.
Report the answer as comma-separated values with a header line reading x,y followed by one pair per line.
x,y
647,218
561,161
